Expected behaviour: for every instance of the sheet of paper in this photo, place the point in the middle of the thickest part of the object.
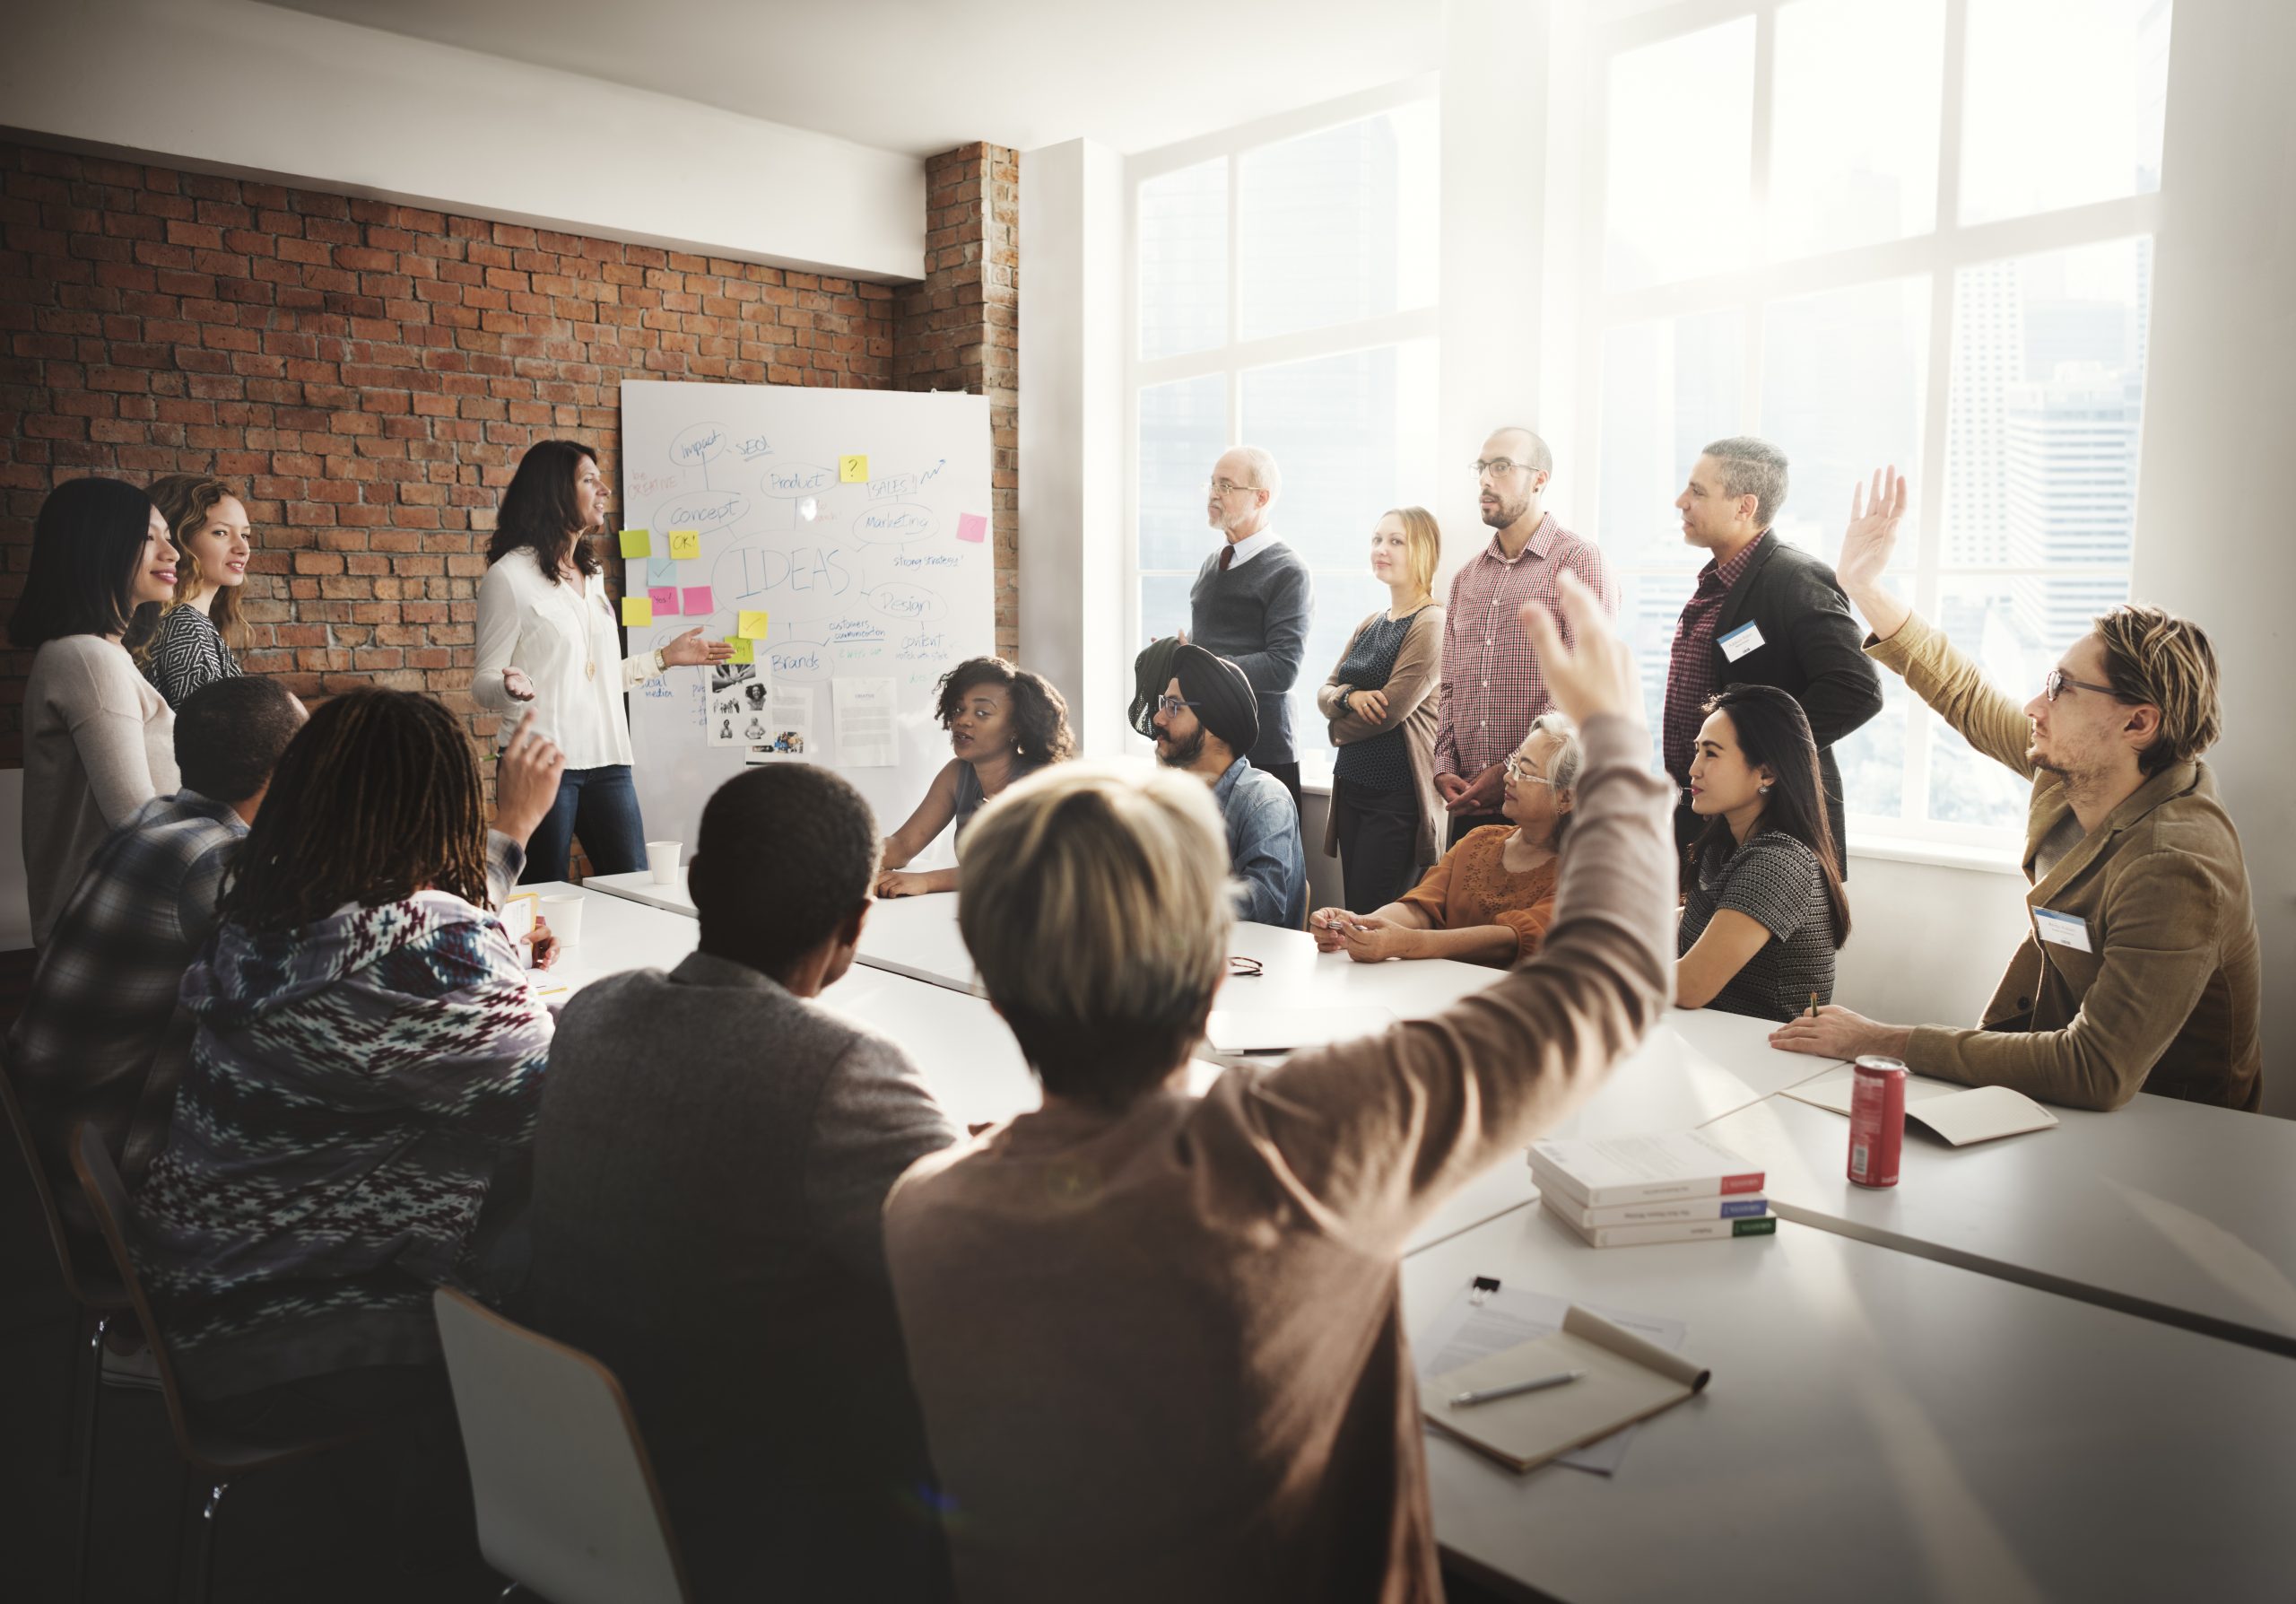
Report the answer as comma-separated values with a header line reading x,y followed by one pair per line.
x,y
1466,1332
973,527
735,713
789,726
697,601
752,625
665,598
1831,1090
637,543
637,610
685,543
867,737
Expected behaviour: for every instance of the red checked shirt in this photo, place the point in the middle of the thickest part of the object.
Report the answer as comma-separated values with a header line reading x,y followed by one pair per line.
x,y
1491,687
1690,675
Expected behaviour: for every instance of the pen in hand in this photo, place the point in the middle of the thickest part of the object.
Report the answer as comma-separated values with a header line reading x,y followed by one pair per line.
x,y
1814,1005
1537,1384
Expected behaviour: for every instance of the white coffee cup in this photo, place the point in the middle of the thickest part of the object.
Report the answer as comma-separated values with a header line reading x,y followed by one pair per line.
x,y
662,858
563,914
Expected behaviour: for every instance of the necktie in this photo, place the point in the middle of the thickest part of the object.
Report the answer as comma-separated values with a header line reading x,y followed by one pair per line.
x,y
1227,556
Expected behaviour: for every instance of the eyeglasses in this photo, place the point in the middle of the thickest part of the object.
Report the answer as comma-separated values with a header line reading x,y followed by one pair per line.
x,y
1518,768
1228,487
1172,704
1249,969
2058,680
1499,468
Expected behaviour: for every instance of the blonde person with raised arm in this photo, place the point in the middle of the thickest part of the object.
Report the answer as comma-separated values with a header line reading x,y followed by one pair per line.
x,y
1004,724
200,627
1380,700
1158,1337
2139,971
1491,897
548,640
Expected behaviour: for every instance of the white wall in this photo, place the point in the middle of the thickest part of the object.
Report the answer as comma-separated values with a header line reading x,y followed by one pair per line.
x,y
238,87
2214,541
1073,235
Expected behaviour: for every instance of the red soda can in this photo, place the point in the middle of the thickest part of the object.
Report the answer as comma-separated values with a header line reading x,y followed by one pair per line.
x,y
1876,1120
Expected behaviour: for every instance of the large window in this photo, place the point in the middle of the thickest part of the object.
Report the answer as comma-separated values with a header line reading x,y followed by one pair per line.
x,y
1914,233
1285,298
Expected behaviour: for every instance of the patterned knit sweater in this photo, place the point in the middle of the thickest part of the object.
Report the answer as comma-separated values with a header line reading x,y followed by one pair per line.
x,y
352,1086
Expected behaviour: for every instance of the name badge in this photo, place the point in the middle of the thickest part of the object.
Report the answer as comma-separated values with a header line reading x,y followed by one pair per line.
x,y
2066,929
1741,641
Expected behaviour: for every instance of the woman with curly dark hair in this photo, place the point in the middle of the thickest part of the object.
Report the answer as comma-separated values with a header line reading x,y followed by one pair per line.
x,y
1004,724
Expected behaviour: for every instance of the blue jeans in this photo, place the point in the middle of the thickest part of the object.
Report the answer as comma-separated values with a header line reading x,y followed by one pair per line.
x,y
601,806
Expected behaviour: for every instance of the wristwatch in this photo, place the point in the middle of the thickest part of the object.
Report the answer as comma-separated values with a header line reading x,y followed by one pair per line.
x,y
661,663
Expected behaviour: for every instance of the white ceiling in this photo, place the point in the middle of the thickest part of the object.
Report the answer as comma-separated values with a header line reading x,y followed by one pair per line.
x,y
921,76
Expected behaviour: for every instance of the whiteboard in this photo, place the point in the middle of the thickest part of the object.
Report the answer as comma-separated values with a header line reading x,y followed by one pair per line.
x,y
889,579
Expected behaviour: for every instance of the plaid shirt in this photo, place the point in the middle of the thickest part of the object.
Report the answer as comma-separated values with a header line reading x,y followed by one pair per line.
x,y
1690,675
1491,687
99,1038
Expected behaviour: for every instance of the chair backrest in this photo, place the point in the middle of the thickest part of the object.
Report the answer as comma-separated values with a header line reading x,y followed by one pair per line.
x,y
115,1218
566,1497
84,1283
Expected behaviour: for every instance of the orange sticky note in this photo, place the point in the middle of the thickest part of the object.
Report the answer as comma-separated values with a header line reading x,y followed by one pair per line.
x,y
637,610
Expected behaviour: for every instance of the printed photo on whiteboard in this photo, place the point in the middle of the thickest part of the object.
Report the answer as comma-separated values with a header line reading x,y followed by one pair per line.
x,y
728,713
787,731
866,735
725,676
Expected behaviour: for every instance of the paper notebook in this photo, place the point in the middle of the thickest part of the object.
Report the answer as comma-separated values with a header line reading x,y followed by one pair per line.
x,y
1281,1030
1628,1378
1960,1114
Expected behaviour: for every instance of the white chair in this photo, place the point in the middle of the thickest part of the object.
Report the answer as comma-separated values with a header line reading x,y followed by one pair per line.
x,y
567,1502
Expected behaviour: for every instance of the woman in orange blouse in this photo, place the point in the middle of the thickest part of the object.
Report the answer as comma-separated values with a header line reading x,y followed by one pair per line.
x,y
1491,898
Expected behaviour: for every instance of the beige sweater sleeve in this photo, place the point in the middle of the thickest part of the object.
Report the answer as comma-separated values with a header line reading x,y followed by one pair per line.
x,y
101,701
1417,675
1368,1137
1953,685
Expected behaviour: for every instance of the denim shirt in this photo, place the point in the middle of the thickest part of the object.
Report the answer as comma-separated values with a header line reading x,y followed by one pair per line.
x,y
1264,847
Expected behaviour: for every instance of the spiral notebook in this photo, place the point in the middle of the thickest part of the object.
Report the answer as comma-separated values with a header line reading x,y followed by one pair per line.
x,y
1628,1378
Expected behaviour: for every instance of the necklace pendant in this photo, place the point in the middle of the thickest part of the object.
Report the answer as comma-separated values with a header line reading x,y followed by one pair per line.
x,y
590,669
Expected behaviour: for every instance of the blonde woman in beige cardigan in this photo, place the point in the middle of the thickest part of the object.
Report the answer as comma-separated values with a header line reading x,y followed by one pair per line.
x,y
1381,701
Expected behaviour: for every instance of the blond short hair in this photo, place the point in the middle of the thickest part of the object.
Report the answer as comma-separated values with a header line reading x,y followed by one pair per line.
x,y
1422,546
2157,660
1097,905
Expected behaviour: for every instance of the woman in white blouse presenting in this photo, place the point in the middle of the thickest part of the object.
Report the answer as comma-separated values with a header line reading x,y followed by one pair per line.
x,y
547,637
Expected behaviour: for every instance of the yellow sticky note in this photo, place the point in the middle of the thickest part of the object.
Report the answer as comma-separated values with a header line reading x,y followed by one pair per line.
x,y
686,543
852,470
745,651
752,626
637,610
637,543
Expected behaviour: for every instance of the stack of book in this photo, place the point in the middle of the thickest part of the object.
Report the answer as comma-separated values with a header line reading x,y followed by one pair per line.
x,y
1628,1190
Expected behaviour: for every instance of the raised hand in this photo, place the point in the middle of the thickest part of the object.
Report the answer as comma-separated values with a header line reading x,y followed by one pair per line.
x,y
1867,543
1594,676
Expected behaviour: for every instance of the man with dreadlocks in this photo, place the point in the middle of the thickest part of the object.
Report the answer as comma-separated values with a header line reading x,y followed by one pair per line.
x,y
368,1055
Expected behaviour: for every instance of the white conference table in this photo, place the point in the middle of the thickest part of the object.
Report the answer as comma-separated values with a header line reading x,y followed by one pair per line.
x,y
2172,1210
1879,1427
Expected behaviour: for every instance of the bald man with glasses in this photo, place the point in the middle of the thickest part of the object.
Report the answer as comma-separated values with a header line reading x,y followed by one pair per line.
x,y
1493,688
1252,602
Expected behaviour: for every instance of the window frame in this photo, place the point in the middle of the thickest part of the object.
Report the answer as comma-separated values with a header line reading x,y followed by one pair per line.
x,y
1941,254
1233,357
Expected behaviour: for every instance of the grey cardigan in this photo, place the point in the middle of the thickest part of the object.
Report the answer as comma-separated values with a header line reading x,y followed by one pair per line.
x,y
712,1158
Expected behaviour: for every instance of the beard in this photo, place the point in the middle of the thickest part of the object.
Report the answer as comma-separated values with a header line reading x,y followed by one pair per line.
x,y
1506,512
1180,754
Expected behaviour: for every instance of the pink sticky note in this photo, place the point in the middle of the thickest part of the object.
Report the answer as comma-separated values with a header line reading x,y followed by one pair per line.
x,y
665,598
973,527
698,604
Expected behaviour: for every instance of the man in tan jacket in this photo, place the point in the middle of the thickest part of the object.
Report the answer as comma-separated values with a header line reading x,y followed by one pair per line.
x,y
1158,1337
2141,971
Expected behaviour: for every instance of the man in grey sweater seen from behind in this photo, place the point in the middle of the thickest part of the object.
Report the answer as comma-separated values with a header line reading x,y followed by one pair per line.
x,y
713,1156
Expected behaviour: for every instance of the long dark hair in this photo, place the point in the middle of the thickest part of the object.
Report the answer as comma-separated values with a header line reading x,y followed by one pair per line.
x,y
538,510
377,797
1773,732
87,544
1039,713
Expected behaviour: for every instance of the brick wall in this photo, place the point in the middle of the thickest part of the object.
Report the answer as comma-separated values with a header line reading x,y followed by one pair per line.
x,y
959,329
372,373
